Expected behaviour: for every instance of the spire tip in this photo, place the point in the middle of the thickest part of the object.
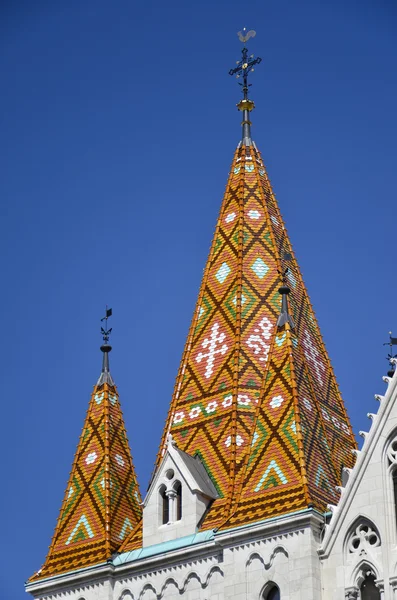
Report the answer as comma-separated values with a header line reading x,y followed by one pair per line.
x,y
243,69
105,376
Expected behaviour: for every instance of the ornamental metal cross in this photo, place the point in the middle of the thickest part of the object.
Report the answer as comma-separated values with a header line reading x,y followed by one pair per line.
x,y
246,64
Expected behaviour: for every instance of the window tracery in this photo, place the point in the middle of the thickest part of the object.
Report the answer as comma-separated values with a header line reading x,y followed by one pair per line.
x,y
392,452
364,536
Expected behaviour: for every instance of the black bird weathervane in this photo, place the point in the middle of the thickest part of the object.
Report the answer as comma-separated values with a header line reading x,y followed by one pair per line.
x,y
104,330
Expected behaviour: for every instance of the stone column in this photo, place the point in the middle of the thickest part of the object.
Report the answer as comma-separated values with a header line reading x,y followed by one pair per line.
x,y
171,495
393,583
380,584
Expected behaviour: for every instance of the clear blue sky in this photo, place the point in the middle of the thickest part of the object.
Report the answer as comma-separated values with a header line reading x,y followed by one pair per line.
x,y
118,125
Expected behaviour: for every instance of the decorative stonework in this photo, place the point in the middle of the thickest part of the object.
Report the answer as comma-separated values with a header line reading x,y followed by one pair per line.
x,y
364,537
392,452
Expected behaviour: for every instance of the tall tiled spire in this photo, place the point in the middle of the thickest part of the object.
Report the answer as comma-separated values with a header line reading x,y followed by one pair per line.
x,y
256,396
101,506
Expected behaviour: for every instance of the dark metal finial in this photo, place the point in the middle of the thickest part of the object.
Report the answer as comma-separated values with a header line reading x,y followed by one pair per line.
x,y
106,348
392,342
243,69
284,290
104,330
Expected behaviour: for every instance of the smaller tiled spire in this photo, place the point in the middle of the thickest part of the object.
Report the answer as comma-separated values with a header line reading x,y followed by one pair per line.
x,y
102,502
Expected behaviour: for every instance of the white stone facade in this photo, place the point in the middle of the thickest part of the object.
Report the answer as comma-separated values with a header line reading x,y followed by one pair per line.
x,y
197,493
304,557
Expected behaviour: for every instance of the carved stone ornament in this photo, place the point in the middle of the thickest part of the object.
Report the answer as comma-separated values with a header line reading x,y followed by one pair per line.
x,y
392,452
363,538
351,593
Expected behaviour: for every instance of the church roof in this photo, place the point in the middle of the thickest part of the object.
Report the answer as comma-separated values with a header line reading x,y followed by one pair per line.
x,y
255,396
256,401
101,506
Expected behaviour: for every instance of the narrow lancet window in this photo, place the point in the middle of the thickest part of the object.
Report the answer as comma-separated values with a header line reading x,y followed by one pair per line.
x,y
394,475
178,491
165,506
368,589
273,594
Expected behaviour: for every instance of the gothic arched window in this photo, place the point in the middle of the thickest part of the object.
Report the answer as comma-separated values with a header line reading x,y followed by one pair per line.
x,y
392,464
178,500
368,589
273,594
394,476
165,505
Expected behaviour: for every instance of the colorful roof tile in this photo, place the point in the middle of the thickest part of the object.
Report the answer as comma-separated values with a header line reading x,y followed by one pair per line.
x,y
257,402
101,506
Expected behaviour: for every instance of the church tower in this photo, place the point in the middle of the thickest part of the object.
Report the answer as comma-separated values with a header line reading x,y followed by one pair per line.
x,y
257,459
101,505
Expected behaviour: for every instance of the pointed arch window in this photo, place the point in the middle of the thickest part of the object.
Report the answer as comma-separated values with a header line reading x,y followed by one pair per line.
x,y
394,477
272,594
368,589
164,505
178,501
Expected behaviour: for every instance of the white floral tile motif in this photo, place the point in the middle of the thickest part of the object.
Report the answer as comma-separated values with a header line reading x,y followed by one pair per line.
x,y
91,458
308,404
276,401
194,413
254,214
227,401
230,217
178,417
211,407
243,399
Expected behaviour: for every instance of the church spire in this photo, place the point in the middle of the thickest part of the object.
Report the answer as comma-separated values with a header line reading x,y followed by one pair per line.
x,y
102,502
244,67
255,385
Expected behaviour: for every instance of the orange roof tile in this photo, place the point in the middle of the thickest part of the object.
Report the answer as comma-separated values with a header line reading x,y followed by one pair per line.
x,y
102,500
260,405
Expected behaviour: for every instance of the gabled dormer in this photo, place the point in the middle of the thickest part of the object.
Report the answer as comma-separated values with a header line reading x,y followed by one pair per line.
x,y
179,495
